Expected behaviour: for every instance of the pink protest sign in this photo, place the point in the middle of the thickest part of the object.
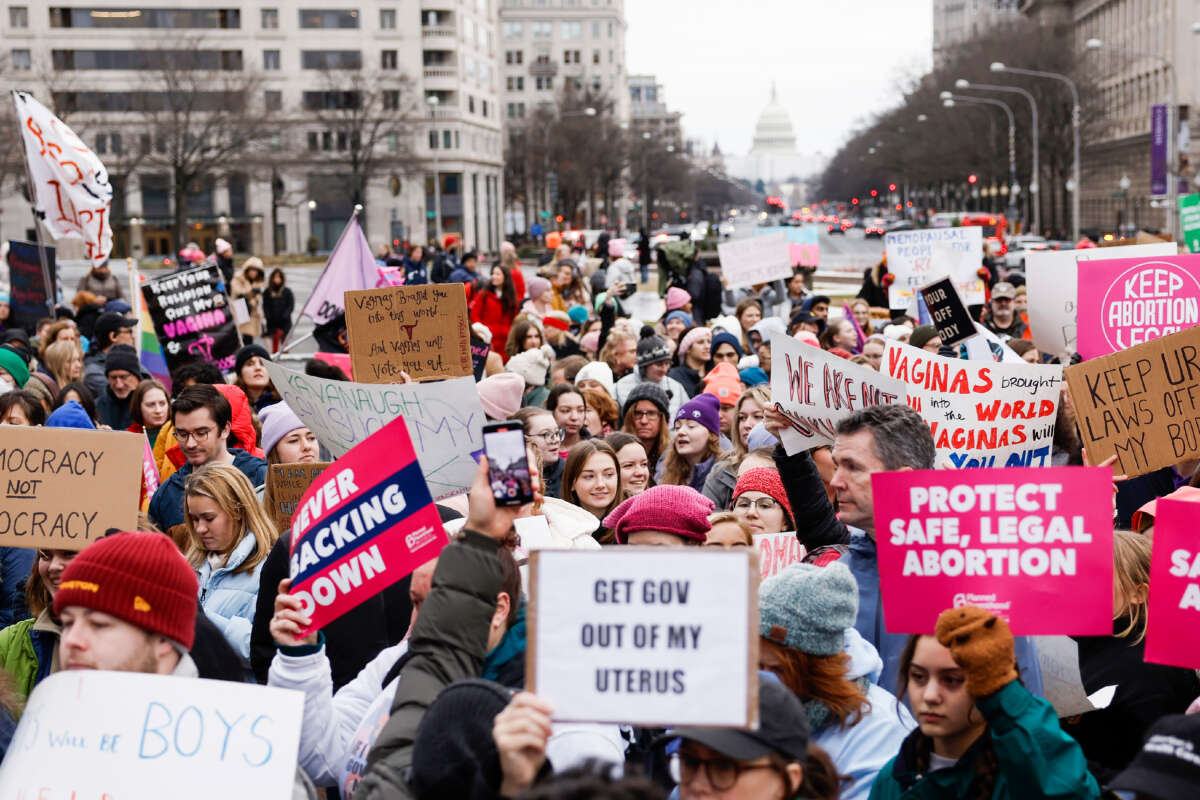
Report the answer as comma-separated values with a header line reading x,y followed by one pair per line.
x,y
1127,301
1174,607
364,523
1030,544
777,551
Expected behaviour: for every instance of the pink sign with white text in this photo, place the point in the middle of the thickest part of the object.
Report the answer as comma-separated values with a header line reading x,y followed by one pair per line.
x,y
1174,607
1030,544
1128,301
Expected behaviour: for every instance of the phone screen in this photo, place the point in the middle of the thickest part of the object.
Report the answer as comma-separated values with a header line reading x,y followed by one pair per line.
x,y
508,465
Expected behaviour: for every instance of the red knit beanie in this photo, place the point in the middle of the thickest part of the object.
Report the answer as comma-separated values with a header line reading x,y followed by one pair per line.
x,y
140,578
767,481
679,510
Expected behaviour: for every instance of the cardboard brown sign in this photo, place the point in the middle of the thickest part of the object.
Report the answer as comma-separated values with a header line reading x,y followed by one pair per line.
x,y
286,484
64,487
421,330
1141,404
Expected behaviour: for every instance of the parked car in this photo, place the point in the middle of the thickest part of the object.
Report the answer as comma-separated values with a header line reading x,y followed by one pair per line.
x,y
1019,245
874,229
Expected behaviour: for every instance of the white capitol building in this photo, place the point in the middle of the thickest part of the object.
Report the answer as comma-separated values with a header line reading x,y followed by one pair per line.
x,y
773,157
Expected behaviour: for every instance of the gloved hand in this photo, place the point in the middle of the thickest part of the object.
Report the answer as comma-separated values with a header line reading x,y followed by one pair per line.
x,y
982,645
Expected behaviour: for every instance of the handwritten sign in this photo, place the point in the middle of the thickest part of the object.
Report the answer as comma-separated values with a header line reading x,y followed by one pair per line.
x,y
815,390
1141,405
804,244
362,525
421,330
1052,277
64,487
1174,607
28,291
192,318
777,552
918,257
981,413
755,260
138,736
1031,545
286,484
445,420
645,635
1127,301
949,314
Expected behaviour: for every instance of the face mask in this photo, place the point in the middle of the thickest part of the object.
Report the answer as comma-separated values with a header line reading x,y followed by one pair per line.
x,y
6,383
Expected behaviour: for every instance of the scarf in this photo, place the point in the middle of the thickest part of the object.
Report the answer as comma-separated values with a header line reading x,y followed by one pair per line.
x,y
510,647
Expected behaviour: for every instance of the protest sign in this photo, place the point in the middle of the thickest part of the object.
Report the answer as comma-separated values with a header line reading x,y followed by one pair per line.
x,y
136,736
1053,280
479,354
815,389
917,257
1174,606
645,635
1031,545
445,420
981,413
947,312
1062,684
64,487
192,318
1142,404
1189,221
362,525
1127,301
28,290
421,330
777,551
755,260
286,484
804,246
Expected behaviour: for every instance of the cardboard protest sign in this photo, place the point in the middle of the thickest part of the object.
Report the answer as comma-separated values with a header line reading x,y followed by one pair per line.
x,y
445,420
192,318
421,330
1031,545
815,390
1127,301
777,552
362,525
947,311
981,413
754,260
28,290
1174,607
1189,221
286,484
64,487
102,734
645,635
917,257
1052,277
1142,404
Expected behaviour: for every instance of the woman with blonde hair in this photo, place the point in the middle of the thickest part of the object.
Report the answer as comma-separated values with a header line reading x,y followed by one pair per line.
x,y
228,537
64,362
728,531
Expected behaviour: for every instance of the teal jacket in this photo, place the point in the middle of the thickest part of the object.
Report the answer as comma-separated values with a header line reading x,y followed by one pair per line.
x,y
1036,760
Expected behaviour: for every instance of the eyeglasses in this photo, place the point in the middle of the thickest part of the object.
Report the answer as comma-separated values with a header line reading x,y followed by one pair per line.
x,y
652,414
549,437
763,504
198,435
722,773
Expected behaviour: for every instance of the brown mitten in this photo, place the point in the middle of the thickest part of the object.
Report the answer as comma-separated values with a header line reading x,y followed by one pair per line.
x,y
982,645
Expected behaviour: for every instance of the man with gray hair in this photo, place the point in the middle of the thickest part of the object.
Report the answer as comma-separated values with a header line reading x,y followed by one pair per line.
x,y
887,438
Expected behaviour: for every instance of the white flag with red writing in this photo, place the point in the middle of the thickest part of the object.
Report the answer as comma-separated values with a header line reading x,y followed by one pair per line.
x,y
71,191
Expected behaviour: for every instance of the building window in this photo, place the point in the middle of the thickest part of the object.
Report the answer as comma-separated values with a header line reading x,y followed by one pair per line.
x,y
101,145
275,141
595,83
67,60
572,30
471,103
515,84
387,19
446,140
22,60
314,141
270,19
273,99
18,16
176,18
456,142
391,99
514,56
595,56
270,59
328,18
542,29
330,59
596,29
433,140
485,108
570,56
387,59
512,30
545,83
610,30
393,142
331,100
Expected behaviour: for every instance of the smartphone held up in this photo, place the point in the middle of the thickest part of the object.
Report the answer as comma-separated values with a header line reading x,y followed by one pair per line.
x,y
508,463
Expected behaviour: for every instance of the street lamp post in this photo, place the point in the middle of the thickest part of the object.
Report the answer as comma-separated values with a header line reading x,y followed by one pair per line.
x,y
1124,183
999,66
1033,109
645,183
949,99
583,112
433,100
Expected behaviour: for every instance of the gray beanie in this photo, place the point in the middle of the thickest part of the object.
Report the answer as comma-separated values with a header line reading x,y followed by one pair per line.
x,y
808,608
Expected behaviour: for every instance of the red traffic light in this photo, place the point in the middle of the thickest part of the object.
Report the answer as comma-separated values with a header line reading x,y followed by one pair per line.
x,y
854,201
874,193
891,187
559,218
972,178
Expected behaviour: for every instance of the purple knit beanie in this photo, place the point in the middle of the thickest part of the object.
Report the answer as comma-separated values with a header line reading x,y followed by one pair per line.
x,y
678,510
703,408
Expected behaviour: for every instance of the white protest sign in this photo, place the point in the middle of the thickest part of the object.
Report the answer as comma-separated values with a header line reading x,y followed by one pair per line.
x,y
650,636
754,260
1062,685
777,552
815,390
981,413
1052,281
445,420
917,258
135,736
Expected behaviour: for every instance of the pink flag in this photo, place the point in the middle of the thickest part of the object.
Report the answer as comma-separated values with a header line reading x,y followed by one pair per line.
x,y
350,267
858,331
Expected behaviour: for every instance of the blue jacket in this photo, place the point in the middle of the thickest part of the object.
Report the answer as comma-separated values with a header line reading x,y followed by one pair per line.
x,y
863,561
15,565
414,272
229,600
166,507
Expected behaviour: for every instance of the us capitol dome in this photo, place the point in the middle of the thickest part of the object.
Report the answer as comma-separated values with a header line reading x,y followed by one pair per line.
x,y
773,134
774,157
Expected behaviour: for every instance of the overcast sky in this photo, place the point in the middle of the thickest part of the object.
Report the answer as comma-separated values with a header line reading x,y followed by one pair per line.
x,y
834,61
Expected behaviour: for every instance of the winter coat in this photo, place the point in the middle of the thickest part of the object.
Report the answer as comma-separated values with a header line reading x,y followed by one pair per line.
x,y
816,523
108,286
719,485
571,527
415,272
29,651
687,377
1035,759
699,472
93,372
278,307
251,292
487,309
113,411
166,507
621,270
872,286
228,598
16,563
676,393
771,296
167,454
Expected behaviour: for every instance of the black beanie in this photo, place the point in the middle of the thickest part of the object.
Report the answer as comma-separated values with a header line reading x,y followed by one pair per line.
x,y
248,352
122,356
454,752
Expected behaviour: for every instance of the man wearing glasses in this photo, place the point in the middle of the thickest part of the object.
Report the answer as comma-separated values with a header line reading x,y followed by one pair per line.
x,y
1003,320
203,420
